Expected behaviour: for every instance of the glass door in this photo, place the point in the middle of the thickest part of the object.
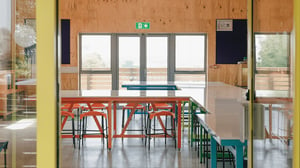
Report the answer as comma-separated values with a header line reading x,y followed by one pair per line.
x,y
156,58
129,59
271,84
95,68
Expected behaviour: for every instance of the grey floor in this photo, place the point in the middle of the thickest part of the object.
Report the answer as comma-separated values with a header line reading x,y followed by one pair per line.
x,y
130,153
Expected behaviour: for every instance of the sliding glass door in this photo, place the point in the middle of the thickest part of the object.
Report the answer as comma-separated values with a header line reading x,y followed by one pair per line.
x,y
157,58
95,62
129,58
108,60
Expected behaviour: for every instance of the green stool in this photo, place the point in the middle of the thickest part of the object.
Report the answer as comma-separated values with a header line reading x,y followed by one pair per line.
x,y
3,145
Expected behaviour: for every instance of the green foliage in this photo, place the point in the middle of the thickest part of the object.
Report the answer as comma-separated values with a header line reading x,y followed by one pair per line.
x,y
274,50
93,61
23,68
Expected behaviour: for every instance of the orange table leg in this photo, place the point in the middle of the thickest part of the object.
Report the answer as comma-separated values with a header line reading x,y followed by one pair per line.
x,y
109,139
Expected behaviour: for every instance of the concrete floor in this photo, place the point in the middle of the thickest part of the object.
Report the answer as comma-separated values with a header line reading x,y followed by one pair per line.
x,y
130,153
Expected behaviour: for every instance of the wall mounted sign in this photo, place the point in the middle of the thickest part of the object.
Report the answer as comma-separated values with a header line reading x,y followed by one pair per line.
x,y
224,25
142,25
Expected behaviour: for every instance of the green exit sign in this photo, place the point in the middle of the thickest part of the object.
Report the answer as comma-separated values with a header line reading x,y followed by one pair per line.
x,y
142,25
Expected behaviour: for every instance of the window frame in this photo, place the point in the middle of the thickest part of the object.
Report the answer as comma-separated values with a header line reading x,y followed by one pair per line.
x,y
171,56
260,71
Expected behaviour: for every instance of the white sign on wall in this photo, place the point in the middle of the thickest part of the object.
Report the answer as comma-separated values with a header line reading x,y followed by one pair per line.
x,y
224,25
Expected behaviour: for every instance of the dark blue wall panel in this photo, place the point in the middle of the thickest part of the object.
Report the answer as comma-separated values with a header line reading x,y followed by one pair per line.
x,y
231,46
65,41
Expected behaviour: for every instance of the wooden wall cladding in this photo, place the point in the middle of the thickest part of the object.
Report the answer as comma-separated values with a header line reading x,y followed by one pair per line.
x,y
273,16
176,16
69,81
227,73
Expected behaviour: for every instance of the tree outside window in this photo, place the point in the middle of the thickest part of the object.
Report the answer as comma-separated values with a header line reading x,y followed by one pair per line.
x,y
272,50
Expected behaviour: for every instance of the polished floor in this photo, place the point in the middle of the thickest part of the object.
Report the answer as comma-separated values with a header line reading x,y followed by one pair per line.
x,y
129,153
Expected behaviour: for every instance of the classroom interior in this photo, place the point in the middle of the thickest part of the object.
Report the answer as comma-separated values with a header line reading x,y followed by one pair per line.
x,y
231,66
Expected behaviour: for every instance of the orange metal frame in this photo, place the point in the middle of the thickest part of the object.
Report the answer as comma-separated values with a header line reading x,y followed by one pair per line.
x,y
136,100
271,101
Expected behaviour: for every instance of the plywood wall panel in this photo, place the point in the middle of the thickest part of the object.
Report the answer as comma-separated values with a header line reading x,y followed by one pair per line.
x,y
226,73
176,16
69,81
273,16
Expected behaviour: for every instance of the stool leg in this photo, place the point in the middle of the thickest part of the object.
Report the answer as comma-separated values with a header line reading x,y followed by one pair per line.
x,y
5,164
83,129
149,133
142,124
79,133
166,132
123,115
106,136
174,125
102,120
73,132
223,155
145,119
154,129
146,129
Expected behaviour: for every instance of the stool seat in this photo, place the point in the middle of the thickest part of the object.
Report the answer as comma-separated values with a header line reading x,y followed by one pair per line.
x,y
130,106
161,113
74,107
99,133
162,106
93,113
164,127
98,106
65,114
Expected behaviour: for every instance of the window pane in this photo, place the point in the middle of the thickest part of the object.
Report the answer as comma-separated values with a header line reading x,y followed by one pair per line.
x,y
129,59
190,52
95,52
95,81
272,50
157,58
272,62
